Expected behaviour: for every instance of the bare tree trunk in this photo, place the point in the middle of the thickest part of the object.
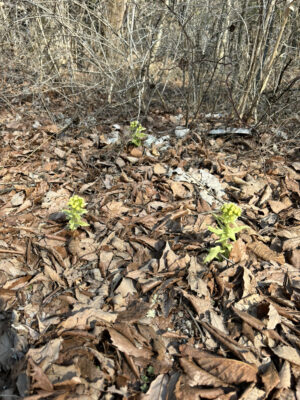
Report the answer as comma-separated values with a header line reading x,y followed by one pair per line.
x,y
257,54
223,44
269,64
115,14
115,10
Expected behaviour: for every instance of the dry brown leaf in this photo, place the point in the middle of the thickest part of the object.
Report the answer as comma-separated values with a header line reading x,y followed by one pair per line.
x,y
249,283
285,376
116,208
292,185
265,253
27,204
253,393
291,233
59,152
83,319
296,165
195,282
287,353
47,354
198,376
270,377
200,305
294,258
179,190
41,381
157,388
240,351
228,370
267,193
274,317
56,201
252,187
105,260
52,128
125,289
12,266
172,262
186,392
136,152
153,243
84,248
17,283
293,213
252,321
74,381
42,394
238,252
159,169
17,199
7,298
134,312
53,275
277,206
126,346
291,244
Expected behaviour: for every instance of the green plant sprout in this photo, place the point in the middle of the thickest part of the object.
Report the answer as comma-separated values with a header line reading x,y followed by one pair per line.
x,y
137,133
76,208
146,379
226,231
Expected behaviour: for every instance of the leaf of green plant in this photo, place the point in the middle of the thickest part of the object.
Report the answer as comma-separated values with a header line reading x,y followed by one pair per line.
x,y
213,253
217,231
232,231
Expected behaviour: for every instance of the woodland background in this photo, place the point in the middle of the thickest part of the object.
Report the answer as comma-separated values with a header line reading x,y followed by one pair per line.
x,y
125,307
235,56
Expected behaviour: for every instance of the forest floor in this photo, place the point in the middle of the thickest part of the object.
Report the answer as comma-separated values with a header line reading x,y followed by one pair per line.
x,y
126,307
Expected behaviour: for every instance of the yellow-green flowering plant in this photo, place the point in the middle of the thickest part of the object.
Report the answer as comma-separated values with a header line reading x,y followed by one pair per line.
x,y
226,231
137,133
76,208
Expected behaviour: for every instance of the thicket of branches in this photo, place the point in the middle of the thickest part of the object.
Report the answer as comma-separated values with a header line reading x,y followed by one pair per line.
x,y
234,56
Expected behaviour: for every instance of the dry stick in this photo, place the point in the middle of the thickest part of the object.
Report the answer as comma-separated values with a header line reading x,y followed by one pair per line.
x,y
24,228
227,341
22,253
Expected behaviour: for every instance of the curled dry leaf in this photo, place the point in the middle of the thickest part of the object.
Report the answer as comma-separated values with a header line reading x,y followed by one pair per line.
x,y
288,353
47,354
41,381
226,369
295,258
157,389
198,376
265,253
83,319
285,376
270,377
127,347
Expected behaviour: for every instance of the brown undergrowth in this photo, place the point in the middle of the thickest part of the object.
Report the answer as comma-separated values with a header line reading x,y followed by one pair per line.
x,y
125,308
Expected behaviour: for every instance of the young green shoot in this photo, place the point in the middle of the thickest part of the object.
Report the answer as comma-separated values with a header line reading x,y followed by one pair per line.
x,y
76,208
226,231
147,378
137,133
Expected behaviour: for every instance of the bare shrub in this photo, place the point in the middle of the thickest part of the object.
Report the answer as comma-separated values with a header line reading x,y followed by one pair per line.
x,y
233,56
